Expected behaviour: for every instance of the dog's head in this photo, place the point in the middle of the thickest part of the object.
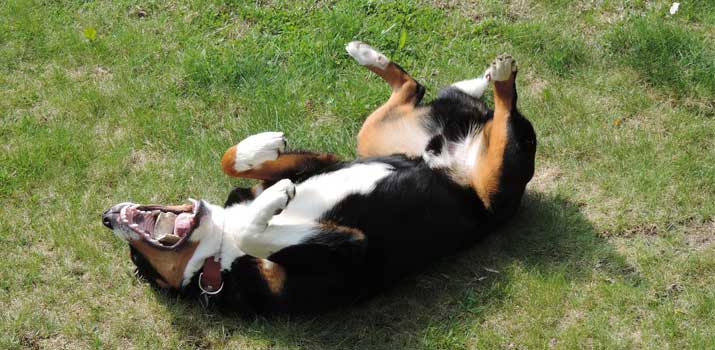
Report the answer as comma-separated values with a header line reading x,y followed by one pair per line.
x,y
163,239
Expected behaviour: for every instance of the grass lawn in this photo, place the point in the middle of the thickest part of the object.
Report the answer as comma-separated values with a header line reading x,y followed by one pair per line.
x,y
106,101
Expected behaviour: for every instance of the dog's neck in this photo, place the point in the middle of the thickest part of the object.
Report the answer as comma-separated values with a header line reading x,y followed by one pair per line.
x,y
216,236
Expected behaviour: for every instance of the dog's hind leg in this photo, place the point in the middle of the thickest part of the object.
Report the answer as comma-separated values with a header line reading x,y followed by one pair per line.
x,y
505,161
398,125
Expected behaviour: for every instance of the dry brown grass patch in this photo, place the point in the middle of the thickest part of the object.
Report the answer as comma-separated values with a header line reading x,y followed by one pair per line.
x,y
699,235
545,178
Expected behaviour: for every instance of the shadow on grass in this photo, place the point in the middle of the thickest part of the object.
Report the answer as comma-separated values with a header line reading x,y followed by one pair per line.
x,y
548,239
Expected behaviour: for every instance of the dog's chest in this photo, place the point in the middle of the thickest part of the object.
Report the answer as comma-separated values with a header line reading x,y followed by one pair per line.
x,y
321,193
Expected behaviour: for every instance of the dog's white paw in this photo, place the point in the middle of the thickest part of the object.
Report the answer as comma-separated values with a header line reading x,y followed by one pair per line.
x,y
366,55
501,68
275,198
257,149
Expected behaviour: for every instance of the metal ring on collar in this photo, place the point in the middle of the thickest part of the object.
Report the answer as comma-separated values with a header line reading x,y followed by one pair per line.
x,y
220,288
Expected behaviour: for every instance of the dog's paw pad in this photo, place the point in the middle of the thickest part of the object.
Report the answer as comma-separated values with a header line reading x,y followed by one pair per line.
x,y
257,149
365,55
501,68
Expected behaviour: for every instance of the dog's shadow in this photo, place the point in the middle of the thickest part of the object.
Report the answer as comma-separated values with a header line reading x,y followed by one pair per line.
x,y
549,239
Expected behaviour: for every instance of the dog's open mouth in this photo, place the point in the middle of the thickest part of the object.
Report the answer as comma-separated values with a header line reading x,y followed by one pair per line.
x,y
162,226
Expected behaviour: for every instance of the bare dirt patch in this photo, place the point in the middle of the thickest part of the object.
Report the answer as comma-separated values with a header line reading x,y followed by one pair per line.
x,y
535,84
59,341
645,229
521,8
138,159
700,234
545,178
514,9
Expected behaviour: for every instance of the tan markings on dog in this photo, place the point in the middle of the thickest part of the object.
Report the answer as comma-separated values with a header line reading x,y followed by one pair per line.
x,y
394,127
333,227
228,161
485,179
397,131
170,264
393,75
273,274
270,169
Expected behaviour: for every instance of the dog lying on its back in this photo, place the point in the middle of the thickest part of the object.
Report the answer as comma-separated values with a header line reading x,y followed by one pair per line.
x,y
319,232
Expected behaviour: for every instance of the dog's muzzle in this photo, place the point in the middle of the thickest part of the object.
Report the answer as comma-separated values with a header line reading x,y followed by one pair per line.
x,y
111,215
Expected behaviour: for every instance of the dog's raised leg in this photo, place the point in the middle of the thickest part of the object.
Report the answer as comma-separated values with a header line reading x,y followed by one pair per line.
x,y
394,127
263,157
486,178
506,162
269,203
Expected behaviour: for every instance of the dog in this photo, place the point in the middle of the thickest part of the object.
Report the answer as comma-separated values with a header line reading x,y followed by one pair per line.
x,y
318,232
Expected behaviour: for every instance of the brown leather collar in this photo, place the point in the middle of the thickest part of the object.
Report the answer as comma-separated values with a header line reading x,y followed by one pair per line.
x,y
210,281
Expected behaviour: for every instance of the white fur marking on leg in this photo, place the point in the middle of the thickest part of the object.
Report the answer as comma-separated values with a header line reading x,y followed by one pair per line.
x,y
365,55
472,87
501,68
272,200
257,149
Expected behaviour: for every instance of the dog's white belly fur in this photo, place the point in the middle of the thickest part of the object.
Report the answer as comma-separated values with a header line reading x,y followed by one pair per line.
x,y
317,195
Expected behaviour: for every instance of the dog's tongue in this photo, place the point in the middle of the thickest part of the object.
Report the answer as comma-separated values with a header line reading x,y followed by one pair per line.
x,y
182,225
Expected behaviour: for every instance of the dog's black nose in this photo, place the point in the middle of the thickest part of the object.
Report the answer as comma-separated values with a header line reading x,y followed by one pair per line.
x,y
107,218
111,216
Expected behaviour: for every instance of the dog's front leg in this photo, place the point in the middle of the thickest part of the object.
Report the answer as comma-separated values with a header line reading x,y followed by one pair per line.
x,y
259,237
263,157
269,203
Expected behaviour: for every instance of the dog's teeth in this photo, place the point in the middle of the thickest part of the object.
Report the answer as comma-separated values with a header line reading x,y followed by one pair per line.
x,y
169,239
133,225
164,224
